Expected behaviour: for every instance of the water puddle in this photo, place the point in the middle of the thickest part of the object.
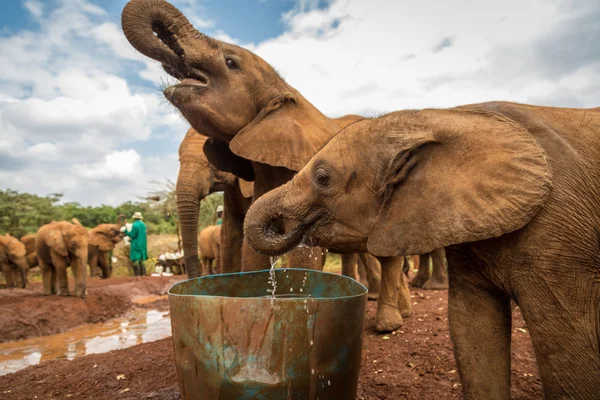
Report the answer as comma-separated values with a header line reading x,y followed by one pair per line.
x,y
136,327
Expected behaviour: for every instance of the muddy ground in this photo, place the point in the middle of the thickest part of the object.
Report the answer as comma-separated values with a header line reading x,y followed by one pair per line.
x,y
414,363
26,313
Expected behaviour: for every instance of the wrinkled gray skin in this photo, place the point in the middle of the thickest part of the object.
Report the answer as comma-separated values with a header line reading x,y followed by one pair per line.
x,y
511,191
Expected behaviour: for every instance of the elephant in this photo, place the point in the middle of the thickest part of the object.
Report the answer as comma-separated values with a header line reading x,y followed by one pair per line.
x,y
13,258
210,249
101,240
260,128
197,179
58,245
31,255
512,193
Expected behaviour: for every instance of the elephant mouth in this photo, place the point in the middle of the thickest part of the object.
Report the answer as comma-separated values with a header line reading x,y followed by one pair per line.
x,y
191,77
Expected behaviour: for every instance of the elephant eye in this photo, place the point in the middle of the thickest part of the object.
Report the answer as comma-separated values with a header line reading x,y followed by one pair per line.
x,y
231,64
321,178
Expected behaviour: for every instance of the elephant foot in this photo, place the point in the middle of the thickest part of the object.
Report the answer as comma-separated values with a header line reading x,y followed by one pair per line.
x,y
63,293
373,296
388,319
418,282
404,306
435,285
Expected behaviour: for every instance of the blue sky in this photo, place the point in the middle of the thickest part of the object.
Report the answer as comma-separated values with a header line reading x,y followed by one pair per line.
x,y
81,113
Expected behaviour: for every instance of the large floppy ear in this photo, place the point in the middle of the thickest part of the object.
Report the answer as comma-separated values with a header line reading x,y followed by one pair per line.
x,y
286,133
56,241
247,188
459,176
219,154
101,240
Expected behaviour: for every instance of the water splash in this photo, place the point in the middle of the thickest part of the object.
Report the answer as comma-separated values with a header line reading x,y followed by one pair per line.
x,y
273,278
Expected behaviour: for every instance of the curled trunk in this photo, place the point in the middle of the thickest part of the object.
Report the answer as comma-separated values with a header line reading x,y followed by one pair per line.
x,y
156,29
267,225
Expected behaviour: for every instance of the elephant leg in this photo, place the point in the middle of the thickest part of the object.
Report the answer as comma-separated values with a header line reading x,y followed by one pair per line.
x,y
388,316
404,303
349,267
373,274
561,307
8,274
24,280
142,268
439,277
93,265
203,266
480,328
424,273
60,264
103,263
47,277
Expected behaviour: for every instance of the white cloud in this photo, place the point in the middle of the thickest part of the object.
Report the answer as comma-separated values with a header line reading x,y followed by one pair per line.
x,y
36,8
66,110
372,57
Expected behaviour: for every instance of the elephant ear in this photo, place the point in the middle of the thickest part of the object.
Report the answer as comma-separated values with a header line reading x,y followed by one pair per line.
x,y
56,241
246,188
219,154
286,133
459,176
17,249
100,240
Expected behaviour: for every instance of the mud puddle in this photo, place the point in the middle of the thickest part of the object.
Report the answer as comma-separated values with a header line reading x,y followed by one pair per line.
x,y
136,327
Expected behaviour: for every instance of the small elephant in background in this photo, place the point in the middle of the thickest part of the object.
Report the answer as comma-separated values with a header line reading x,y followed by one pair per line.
x,y
29,242
210,249
101,240
13,261
58,246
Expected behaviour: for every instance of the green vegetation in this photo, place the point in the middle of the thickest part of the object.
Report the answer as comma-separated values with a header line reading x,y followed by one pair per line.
x,y
23,213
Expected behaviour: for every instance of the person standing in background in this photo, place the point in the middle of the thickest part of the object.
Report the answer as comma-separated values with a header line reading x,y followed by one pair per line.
x,y
138,252
219,215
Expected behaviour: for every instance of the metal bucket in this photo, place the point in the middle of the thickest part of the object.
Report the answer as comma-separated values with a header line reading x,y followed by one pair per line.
x,y
231,341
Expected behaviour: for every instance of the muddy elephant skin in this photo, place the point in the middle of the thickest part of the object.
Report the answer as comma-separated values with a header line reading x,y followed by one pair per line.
x,y
13,260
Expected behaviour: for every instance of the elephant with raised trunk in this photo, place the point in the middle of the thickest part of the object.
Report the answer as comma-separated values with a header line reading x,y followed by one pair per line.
x,y
13,260
511,191
58,246
260,128
102,239
197,179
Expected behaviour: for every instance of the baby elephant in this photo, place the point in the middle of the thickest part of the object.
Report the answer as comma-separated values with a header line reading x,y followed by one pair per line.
x,y
13,260
511,191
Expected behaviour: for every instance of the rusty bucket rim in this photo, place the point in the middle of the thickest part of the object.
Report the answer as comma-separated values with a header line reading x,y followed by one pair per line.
x,y
361,287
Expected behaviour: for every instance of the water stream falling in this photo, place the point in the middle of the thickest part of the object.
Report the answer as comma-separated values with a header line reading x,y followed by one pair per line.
x,y
273,278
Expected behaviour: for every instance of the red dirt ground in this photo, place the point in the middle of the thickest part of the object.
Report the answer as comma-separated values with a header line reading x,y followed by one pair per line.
x,y
27,313
414,363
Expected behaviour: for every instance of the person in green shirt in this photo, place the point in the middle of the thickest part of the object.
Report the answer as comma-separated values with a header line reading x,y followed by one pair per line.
x,y
219,215
138,252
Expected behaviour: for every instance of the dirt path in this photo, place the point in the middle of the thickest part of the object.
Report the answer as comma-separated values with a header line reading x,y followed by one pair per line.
x,y
414,363
27,313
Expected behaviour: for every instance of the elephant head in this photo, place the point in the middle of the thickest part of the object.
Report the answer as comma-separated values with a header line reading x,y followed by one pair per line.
x,y
13,254
477,175
197,179
106,236
227,93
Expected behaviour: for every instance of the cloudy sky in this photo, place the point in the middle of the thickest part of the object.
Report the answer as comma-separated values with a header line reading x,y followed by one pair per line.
x,y
81,112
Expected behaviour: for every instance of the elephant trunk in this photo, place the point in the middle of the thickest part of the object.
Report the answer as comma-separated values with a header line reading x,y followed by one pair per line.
x,y
190,190
156,29
273,228
23,266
